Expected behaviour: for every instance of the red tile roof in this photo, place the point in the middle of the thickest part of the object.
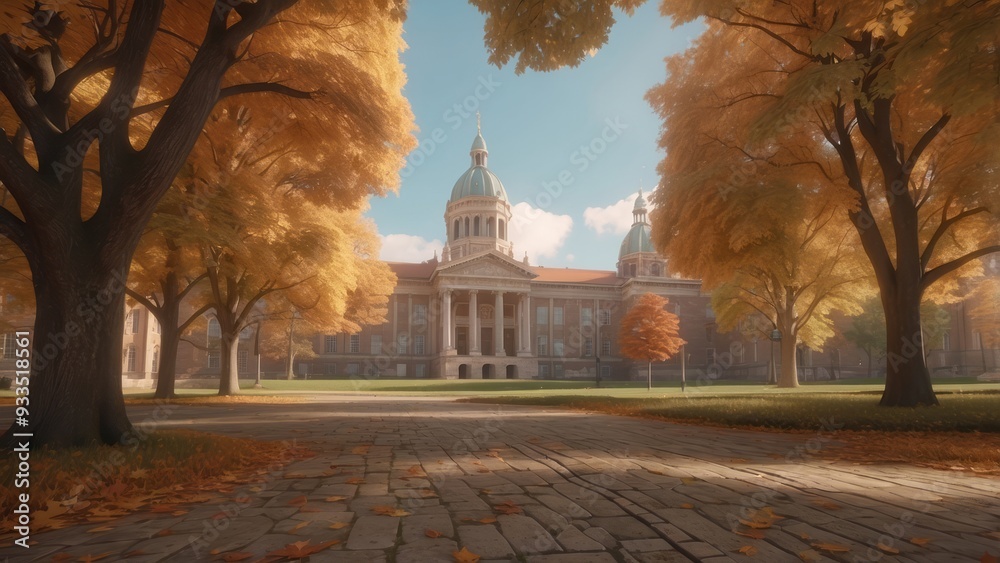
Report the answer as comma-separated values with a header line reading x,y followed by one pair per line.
x,y
572,275
411,270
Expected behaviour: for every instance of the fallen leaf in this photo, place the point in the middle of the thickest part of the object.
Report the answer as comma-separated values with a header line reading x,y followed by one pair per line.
x,y
508,507
355,481
334,499
756,524
922,542
747,550
298,501
100,529
339,525
831,547
299,526
887,549
138,474
829,505
988,558
687,505
294,475
809,556
386,510
432,533
486,520
301,549
465,556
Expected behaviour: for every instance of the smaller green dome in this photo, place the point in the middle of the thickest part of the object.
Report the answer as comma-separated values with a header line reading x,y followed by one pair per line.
x,y
637,240
640,203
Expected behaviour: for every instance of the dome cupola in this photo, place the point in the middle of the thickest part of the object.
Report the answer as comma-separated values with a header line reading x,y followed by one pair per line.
x,y
478,212
637,255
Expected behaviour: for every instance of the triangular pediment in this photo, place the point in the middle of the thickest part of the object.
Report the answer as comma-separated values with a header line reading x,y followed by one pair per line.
x,y
490,264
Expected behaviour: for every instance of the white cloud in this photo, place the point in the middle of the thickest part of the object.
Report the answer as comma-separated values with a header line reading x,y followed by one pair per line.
x,y
408,248
538,232
615,218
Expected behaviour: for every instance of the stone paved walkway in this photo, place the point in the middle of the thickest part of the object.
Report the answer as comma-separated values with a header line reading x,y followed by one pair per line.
x,y
550,486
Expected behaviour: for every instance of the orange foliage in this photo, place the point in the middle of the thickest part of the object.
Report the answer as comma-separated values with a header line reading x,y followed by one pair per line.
x,y
649,332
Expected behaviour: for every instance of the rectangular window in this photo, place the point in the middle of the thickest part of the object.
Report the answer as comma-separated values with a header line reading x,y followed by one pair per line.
x,y
710,355
543,371
557,347
709,335
588,346
355,343
242,359
605,372
977,341
420,314
135,321
557,316
557,371
586,316
402,343
421,370
543,345
376,344
353,368
542,315
330,344
8,345
605,317
418,345
214,360
131,359
606,347
156,360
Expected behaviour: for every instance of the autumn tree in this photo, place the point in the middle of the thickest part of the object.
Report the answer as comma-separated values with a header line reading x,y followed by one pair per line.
x,y
867,331
650,332
75,94
984,311
899,98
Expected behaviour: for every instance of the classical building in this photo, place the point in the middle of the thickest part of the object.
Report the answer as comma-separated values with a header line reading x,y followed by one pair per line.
x,y
479,312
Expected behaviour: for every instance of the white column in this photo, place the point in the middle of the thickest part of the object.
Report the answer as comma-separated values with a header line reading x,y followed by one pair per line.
x,y
498,317
446,320
519,323
528,319
474,323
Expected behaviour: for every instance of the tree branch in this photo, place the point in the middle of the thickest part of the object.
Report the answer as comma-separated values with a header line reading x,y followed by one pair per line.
x,y
946,223
248,88
924,142
948,267
18,94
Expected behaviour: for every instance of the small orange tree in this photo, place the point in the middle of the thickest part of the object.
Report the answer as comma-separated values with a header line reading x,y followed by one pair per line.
x,y
650,332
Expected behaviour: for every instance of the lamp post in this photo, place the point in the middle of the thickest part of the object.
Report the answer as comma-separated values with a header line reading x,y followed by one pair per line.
x,y
683,368
597,372
256,351
775,337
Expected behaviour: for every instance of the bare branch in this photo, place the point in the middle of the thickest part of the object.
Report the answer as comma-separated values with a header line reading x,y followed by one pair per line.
x,y
944,269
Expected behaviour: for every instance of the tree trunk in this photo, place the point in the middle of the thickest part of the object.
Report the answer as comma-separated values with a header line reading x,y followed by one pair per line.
x,y
649,376
76,379
290,368
170,337
229,380
907,380
789,376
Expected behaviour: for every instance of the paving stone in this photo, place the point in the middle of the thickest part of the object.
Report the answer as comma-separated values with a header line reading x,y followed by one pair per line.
x,y
656,544
526,535
485,541
601,536
625,527
415,527
699,549
427,551
564,506
572,539
373,532
572,558
671,556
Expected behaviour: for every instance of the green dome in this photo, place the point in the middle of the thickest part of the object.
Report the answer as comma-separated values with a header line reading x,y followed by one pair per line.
x,y
637,240
478,181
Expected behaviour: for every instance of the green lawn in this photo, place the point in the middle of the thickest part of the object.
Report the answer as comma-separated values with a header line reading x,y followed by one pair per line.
x,y
961,412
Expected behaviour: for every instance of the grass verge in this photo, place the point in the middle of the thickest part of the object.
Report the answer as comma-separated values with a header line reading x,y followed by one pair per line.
x,y
962,433
99,484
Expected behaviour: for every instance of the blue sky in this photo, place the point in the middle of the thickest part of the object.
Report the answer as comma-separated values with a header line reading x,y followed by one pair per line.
x,y
571,146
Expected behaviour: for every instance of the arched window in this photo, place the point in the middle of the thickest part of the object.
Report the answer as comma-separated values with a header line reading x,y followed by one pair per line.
x,y
467,226
475,226
654,269
479,159
456,233
214,330
502,230
490,229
